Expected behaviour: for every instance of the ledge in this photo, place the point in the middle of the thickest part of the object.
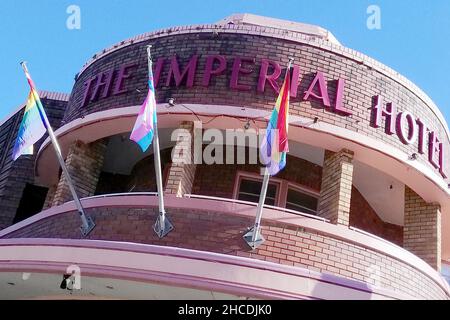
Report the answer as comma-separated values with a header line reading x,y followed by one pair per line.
x,y
182,267
245,210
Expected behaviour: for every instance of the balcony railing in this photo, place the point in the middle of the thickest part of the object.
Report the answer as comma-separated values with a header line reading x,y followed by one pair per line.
x,y
198,196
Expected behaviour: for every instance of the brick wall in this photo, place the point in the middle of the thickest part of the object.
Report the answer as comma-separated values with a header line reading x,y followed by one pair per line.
x,y
141,179
14,175
84,163
218,180
422,231
362,81
336,188
362,216
217,232
181,173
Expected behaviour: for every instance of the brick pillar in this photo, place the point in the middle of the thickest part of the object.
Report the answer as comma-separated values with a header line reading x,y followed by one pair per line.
x,y
49,198
336,189
180,177
84,162
422,230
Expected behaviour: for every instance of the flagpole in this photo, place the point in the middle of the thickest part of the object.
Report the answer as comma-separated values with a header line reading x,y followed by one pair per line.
x,y
162,225
254,237
87,223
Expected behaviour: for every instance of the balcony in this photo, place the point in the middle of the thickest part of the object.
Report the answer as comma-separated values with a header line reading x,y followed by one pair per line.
x,y
303,256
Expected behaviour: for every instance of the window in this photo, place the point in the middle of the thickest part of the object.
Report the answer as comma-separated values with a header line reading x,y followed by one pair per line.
x,y
300,201
280,193
250,189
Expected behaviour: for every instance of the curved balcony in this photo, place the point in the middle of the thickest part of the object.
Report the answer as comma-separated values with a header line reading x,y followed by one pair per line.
x,y
303,256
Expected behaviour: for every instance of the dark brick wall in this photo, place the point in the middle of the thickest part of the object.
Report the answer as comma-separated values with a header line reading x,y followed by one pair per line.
x,y
15,175
141,179
362,82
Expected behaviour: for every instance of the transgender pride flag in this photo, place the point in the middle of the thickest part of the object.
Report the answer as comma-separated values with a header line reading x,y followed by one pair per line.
x,y
144,127
32,127
275,144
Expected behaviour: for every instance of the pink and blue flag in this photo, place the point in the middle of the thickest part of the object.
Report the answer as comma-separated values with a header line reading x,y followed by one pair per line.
x,y
32,127
275,143
145,124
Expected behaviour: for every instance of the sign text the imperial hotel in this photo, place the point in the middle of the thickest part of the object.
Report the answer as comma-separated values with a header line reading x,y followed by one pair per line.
x,y
405,125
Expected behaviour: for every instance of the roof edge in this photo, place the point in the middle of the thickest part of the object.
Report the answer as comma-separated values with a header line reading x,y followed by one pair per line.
x,y
43,94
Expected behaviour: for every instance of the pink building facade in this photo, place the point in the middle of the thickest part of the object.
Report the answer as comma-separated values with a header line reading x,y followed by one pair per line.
x,y
361,210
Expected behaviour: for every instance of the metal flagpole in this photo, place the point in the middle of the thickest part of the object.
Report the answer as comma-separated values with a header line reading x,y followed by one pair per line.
x,y
254,237
87,223
162,225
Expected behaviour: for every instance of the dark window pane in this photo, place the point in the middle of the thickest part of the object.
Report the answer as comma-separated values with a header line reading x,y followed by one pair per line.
x,y
302,202
249,190
32,201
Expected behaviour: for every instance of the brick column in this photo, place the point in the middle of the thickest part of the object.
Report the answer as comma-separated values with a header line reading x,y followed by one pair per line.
x,y
84,162
422,230
336,189
180,177
49,198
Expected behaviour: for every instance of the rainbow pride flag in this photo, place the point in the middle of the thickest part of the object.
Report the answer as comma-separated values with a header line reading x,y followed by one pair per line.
x,y
32,127
143,129
275,143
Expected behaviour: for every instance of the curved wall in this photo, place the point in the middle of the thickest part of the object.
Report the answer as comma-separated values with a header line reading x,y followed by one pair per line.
x,y
118,79
118,270
215,226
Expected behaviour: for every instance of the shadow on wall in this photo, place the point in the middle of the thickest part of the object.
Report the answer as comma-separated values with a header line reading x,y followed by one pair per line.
x,y
323,291
364,217
141,179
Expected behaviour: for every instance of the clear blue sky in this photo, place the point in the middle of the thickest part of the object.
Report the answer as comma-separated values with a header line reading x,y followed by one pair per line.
x,y
414,38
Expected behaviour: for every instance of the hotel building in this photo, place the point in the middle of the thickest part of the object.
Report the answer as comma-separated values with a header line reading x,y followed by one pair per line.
x,y
361,211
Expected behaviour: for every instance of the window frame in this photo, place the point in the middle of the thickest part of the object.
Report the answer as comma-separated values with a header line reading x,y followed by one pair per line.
x,y
282,185
301,189
256,177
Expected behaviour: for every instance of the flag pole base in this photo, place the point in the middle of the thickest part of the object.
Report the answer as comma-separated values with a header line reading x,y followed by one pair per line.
x,y
248,238
90,226
162,232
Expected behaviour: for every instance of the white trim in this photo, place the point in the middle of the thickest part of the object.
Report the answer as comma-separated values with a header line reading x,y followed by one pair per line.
x,y
121,194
